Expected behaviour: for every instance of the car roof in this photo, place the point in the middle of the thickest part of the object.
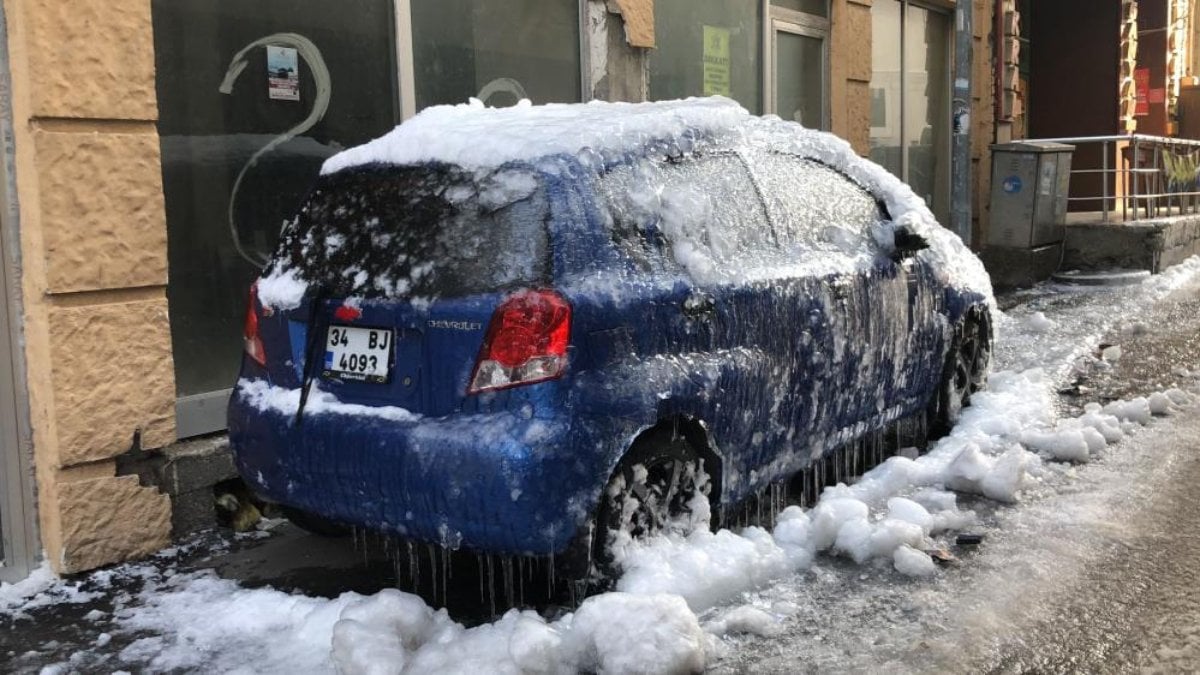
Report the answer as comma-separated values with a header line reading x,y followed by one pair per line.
x,y
474,137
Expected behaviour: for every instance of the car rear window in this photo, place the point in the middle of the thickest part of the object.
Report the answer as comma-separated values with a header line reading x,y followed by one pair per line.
x,y
413,232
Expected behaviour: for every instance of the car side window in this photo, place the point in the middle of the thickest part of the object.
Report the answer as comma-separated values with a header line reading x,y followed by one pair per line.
x,y
815,207
694,212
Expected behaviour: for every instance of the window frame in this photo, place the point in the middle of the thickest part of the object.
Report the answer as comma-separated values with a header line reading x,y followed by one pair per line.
x,y
946,114
406,70
777,19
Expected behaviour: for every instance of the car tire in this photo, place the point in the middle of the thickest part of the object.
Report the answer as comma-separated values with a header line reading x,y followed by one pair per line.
x,y
673,476
964,372
314,524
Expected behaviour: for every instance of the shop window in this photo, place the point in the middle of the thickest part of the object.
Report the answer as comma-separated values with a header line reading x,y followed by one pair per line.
x,y
499,52
708,47
252,97
910,98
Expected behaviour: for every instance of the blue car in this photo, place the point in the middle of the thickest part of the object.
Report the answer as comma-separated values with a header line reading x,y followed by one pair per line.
x,y
521,331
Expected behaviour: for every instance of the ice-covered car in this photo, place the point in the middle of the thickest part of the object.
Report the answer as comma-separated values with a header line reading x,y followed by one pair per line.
x,y
521,330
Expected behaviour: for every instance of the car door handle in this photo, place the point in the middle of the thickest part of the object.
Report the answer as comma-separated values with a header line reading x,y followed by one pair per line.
x,y
699,306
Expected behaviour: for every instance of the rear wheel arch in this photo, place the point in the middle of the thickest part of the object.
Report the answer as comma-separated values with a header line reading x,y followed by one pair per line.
x,y
671,438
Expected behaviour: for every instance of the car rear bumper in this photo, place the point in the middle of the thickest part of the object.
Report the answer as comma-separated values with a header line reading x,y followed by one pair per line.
x,y
497,482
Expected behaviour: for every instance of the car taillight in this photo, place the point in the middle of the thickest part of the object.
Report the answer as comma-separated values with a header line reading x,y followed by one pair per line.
x,y
526,342
250,336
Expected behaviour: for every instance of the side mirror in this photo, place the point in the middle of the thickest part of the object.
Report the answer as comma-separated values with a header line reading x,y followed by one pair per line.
x,y
908,244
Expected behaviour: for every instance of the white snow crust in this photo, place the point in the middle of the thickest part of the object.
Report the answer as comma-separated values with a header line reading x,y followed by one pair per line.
x,y
264,396
478,139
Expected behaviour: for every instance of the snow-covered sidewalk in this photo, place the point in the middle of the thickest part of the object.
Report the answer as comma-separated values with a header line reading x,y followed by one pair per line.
x,y
682,596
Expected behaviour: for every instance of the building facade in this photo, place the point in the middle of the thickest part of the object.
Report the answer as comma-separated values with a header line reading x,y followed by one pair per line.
x,y
154,147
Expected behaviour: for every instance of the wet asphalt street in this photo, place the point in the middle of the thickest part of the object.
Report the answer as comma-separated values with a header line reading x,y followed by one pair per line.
x,y
1136,606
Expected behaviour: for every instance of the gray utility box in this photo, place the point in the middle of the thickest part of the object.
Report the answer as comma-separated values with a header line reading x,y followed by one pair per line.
x,y
1030,181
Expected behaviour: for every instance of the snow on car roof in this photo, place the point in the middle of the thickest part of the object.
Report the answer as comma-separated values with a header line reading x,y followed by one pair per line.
x,y
474,137
478,138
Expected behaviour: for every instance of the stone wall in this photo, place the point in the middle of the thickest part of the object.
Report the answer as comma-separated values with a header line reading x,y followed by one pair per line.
x,y
93,246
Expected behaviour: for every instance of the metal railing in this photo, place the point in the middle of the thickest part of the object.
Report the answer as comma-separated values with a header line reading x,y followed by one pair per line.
x,y
1133,176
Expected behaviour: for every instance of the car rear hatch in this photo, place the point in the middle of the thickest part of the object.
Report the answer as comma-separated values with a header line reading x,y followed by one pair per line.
x,y
404,267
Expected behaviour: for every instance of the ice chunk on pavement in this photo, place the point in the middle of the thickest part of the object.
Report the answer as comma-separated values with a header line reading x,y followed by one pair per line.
x,y
1160,403
793,533
744,619
1135,410
1000,479
910,511
1038,323
854,539
1065,445
621,633
891,534
1106,425
829,517
1111,353
1178,396
911,562
707,568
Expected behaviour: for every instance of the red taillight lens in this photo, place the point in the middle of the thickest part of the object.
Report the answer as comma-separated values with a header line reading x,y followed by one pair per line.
x,y
526,342
250,337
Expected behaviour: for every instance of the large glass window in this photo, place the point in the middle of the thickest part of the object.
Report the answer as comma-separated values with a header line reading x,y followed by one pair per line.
x,y
708,47
499,52
910,106
252,97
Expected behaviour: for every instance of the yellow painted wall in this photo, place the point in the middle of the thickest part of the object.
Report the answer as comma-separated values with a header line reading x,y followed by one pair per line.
x,y
93,247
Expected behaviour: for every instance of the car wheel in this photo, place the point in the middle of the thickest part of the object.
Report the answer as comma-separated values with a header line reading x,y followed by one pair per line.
x,y
652,489
964,373
310,522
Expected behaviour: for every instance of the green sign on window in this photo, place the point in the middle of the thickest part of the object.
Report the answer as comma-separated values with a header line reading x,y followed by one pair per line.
x,y
716,61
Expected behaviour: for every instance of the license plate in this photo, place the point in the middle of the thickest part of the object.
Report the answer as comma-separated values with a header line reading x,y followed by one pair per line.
x,y
362,354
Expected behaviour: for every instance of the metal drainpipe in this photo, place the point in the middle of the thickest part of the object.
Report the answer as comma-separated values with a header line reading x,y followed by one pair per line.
x,y
960,146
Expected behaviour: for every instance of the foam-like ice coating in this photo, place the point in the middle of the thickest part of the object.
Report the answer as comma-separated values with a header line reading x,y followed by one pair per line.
x,y
477,139
267,397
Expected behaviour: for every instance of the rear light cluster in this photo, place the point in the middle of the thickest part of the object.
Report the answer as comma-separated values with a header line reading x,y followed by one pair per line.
x,y
526,342
251,338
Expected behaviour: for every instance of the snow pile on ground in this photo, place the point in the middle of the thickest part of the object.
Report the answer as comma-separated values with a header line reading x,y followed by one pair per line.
x,y
895,512
34,590
203,622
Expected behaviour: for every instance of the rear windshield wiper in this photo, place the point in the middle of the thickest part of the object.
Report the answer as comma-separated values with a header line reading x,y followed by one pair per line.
x,y
312,340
